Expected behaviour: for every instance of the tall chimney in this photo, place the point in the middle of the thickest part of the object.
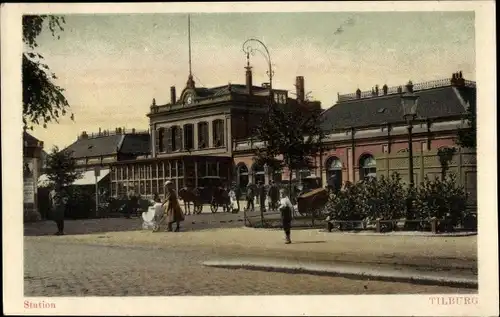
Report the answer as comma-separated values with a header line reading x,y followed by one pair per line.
x,y
358,93
384,89
248,76
299,84
376,90
172,95
409,86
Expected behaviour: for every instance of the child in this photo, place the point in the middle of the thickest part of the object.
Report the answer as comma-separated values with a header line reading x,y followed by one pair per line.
x,y
286,207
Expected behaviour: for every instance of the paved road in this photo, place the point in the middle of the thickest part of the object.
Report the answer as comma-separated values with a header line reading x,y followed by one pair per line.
x,y
55,267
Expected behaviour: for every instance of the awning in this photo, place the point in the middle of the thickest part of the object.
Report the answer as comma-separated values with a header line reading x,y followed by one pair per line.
x,y
87,178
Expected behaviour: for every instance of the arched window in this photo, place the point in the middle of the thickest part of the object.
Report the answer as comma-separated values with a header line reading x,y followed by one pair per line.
x,y
334,172
202,135
368,167
188,136
258,173
218,132
242,174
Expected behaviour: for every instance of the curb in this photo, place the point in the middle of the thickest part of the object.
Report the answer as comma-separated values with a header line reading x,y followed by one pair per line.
x,y
347,272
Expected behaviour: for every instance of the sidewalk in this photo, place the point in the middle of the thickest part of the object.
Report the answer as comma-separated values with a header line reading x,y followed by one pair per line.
x,y
424,252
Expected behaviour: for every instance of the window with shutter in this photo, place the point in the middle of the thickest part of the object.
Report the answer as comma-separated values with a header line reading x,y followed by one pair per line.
x,y
157,141
168,140
202,135
178,139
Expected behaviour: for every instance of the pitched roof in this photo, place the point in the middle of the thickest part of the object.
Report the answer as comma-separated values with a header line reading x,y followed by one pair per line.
x,y
29,140
432,103
110,144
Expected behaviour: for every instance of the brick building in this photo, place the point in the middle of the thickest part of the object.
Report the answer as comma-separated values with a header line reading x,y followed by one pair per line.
x,y
364,126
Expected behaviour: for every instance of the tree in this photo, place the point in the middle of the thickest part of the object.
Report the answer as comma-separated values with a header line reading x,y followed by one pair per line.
x,y
43,100
291,132
467,136
61,168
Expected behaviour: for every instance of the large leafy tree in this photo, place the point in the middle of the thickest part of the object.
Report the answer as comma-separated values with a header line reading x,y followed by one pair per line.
x,y
61,169
467,136
292,133
43,99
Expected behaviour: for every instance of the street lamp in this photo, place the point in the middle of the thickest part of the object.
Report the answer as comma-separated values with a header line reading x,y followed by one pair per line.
x,y
409,102
249,49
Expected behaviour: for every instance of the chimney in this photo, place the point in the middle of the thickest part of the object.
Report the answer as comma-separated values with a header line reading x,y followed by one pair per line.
x,y
248,77
172,95
100,131
384,89
376,90
358,93
459,79
409,86
299,85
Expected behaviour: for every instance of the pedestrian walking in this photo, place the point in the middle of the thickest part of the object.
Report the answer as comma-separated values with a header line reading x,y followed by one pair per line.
x,y
173,210
286,208
250,197
237,192
58,205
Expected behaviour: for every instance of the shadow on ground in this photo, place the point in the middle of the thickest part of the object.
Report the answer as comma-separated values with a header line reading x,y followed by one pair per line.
x,y
90,226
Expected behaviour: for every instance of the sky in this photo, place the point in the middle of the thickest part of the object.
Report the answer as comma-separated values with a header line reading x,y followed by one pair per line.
x,y
112,66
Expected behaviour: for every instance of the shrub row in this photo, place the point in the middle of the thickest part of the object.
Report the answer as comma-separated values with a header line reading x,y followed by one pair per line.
x,y
389,199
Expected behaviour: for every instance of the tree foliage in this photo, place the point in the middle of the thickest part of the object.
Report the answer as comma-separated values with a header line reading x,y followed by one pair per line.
x,y
467,136
291,133
43,100
61,168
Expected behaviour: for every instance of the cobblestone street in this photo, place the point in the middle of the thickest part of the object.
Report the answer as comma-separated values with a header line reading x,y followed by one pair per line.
x,y
55,267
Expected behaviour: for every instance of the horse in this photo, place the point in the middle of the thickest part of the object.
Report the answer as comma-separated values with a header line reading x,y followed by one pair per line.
x,y
190,195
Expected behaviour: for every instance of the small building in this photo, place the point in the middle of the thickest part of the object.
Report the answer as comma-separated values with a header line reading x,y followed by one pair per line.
x,y
100,150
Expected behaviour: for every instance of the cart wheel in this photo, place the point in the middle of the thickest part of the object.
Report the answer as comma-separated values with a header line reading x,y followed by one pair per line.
x,y
198,208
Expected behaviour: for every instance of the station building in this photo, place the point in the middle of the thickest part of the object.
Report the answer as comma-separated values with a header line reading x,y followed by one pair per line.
x,y
206,132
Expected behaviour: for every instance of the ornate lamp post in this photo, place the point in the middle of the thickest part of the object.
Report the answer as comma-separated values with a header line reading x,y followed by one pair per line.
x,y
249,49
409,102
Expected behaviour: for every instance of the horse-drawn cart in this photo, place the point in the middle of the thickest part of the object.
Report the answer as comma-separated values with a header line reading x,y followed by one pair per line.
x,y
312,202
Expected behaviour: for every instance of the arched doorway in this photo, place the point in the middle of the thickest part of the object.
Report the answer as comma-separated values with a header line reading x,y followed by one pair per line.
x,y
258,173
242,175
334,172
367,167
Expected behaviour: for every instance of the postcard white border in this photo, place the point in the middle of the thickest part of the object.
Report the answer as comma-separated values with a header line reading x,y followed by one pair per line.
x,y
250,305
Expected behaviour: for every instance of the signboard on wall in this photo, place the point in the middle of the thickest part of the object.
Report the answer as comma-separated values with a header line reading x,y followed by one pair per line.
x,y
29,181
29,191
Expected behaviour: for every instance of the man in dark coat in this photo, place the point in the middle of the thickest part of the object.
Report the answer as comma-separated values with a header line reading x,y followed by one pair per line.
x,y
58,204
274,195
250,197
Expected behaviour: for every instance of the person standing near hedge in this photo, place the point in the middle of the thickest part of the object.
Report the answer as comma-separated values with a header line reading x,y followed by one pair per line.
x,y
285,207
58,205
